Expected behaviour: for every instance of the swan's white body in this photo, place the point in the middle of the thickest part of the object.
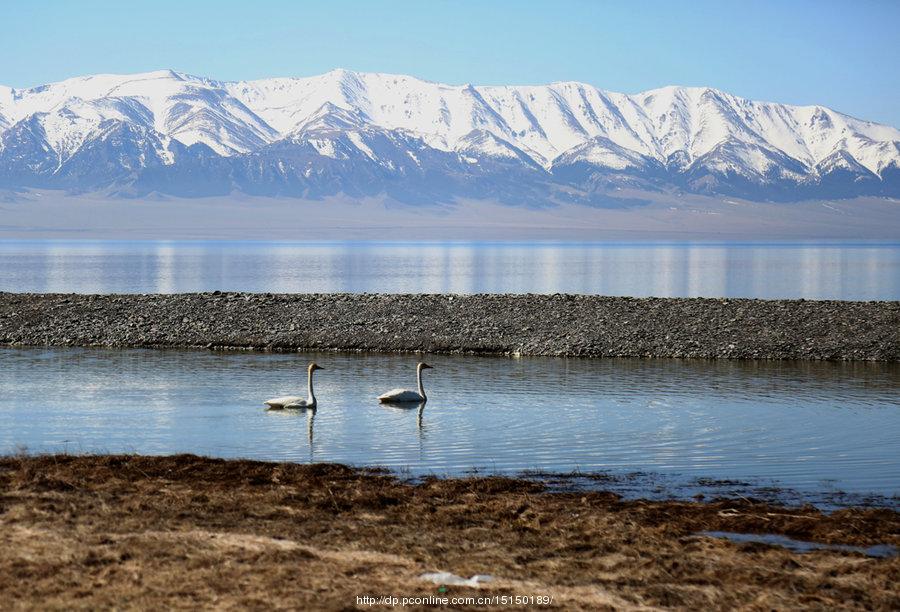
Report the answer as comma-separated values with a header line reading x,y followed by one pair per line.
x,y
396,396
288,400
297,401
401,395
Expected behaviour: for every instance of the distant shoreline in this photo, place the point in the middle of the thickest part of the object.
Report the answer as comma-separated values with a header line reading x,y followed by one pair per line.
x,y
486,324
46,214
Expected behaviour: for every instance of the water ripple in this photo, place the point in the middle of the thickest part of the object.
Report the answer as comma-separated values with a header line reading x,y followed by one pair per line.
x,y
809,426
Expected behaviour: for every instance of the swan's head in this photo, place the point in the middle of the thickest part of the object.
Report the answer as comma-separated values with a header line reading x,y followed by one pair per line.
x,y
314,366
425,366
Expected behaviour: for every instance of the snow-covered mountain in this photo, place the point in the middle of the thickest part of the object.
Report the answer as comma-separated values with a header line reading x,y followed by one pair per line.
x,y
367,134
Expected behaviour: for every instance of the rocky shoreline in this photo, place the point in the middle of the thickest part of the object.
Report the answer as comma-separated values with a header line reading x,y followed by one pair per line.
x,y
553,325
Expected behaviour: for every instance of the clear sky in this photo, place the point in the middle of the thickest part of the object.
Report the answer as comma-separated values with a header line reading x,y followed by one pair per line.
x,y
845,55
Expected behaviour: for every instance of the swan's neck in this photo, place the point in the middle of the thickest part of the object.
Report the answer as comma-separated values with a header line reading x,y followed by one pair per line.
x,y
310,396
419,380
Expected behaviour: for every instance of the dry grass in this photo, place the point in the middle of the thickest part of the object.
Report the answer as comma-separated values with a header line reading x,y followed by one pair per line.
x,y
186,532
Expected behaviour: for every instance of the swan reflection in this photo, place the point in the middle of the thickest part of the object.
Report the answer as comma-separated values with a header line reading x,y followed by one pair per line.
x,y
399,407
310,422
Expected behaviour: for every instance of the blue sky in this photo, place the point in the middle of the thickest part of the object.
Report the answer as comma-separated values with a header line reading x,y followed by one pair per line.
x,y
845,55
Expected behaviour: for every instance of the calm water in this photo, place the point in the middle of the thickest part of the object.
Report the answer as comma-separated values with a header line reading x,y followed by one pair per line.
x,y
808,426
812,271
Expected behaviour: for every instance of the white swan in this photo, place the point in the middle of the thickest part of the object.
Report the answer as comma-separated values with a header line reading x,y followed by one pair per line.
x,y
407,395
297,401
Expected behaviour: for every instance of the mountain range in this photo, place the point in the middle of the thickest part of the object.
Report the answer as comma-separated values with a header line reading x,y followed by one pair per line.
x,y
364,135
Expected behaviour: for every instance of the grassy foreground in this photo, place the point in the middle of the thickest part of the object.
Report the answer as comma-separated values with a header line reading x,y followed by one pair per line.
x,y
92,532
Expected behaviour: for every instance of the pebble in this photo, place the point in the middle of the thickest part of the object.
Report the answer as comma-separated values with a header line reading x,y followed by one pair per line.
x,y
561,325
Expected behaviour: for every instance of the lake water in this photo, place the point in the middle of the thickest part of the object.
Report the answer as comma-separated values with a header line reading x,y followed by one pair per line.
x,y
811,271
815,428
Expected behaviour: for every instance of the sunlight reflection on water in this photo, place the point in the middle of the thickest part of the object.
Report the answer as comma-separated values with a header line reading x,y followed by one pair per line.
x,y
812,271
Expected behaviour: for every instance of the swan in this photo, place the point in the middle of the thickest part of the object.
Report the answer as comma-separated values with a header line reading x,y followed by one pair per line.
x,y
297,401
407,395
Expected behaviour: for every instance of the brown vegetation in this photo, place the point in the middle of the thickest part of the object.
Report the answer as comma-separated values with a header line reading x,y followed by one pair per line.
x,y
189,532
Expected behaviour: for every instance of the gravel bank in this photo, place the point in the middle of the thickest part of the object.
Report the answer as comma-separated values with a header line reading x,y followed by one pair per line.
x,y
560,325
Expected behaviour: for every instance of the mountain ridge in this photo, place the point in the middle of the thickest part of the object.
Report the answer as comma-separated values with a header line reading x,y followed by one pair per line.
x,y
314,136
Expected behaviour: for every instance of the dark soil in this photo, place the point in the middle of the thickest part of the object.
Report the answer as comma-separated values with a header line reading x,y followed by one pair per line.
x,y
188,532
563,325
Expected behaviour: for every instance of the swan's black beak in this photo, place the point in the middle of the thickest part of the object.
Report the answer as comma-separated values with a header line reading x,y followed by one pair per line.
x,y
425,366
316,366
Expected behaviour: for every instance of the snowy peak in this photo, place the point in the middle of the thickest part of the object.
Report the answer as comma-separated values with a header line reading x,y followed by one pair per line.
x,y
691,138
186,108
